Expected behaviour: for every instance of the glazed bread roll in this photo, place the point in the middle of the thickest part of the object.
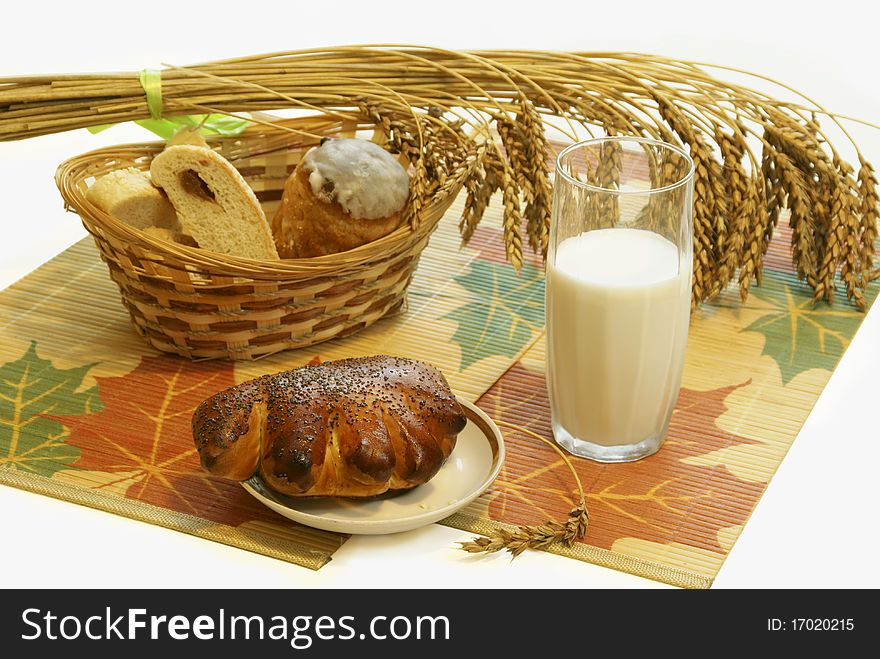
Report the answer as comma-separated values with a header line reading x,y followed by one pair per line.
x,y
350,428
213,202
343,194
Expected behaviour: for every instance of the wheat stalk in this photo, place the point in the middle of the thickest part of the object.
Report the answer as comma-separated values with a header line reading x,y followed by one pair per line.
x,y
870,216
540,536
737,196
794,193
512,219
538,204
608,170
704,197
474,203
850,251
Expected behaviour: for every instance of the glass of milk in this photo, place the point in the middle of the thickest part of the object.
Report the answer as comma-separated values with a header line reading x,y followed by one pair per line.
x,y
618,294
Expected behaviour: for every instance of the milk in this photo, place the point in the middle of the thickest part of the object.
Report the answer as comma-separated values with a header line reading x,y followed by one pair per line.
x,y
618,305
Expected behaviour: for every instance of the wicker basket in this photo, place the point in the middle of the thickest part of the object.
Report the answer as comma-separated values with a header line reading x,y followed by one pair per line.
x,y
201,304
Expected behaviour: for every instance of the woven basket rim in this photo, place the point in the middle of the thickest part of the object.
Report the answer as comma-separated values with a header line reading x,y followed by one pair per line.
x,y
72,171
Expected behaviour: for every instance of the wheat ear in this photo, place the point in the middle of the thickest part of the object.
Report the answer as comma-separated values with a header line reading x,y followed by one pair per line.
x,y
540,536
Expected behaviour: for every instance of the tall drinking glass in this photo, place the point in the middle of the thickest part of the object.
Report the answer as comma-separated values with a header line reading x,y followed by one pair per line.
x,y
618,294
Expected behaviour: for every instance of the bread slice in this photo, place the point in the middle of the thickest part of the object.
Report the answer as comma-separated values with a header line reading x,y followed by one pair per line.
x,y
213,202
171,236
128,195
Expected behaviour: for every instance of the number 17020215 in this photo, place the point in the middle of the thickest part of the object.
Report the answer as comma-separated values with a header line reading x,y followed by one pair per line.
x,y
811,624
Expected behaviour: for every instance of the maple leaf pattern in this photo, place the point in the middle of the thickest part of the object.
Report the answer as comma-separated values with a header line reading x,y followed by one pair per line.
x,y
144,434
504,313
798,334
659,498
32,388
488,240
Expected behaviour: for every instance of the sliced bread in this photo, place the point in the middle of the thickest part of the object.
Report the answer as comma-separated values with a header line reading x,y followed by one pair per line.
x,y
213,202
128,195
171,236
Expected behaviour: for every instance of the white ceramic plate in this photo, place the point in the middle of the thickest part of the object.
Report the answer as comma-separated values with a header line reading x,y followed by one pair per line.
x,y
469,471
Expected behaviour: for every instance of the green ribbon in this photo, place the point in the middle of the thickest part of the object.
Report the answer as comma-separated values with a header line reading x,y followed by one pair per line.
x,y
151,81
166,127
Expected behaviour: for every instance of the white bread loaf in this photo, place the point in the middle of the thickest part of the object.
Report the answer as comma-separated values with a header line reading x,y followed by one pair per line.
x,y
129,196
214,204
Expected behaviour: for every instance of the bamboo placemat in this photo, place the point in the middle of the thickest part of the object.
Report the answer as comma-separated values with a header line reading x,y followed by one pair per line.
x,y
90,413
753,372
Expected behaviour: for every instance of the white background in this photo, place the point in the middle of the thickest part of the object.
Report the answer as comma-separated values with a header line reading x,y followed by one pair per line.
x,y
817,523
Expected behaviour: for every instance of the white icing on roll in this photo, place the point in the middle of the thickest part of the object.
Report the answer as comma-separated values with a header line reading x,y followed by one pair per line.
x,y
361,176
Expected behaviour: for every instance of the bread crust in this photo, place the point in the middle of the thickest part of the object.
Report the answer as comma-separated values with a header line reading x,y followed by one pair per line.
x,y
350,428
129,195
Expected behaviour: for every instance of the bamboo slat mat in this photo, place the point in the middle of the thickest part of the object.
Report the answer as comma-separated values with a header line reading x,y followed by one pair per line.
x,y
89,413
753,372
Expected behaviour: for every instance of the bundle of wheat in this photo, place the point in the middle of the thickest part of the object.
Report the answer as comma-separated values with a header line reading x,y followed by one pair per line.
x,y
754,155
